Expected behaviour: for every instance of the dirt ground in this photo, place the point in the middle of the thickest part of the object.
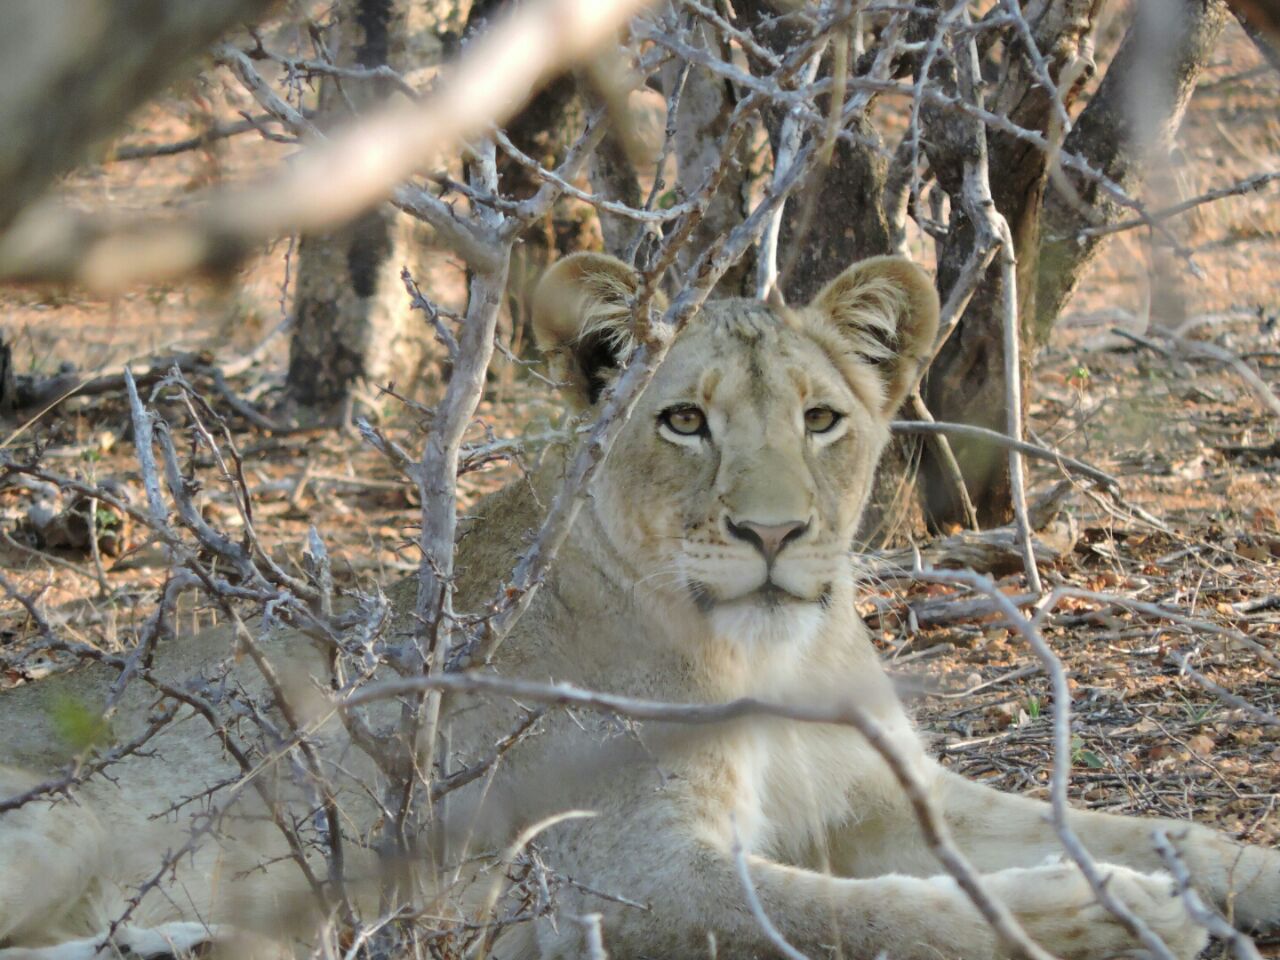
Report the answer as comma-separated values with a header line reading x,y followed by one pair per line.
x,y
1196,452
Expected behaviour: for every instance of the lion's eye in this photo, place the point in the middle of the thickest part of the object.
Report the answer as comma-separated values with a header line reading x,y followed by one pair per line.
x,y
821,419
686,421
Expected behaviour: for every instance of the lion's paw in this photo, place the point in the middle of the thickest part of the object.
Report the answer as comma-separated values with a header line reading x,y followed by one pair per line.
x,y
1059,910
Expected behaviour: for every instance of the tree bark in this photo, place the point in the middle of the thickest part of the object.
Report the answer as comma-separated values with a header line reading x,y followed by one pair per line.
x,y
818,245
1104,134
543,130
352,322
72,71
614,177
815,245
8,380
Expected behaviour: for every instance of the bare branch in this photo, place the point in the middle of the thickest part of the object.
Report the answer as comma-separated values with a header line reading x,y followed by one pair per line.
x,y
1257,182
72,75
1212,351
1241,946
981,207
211,135
1070,464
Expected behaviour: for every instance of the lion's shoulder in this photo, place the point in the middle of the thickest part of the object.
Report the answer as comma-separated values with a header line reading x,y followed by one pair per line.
x,y
491,535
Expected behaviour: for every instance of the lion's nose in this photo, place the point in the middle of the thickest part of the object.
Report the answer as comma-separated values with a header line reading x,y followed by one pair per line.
x,y
768,538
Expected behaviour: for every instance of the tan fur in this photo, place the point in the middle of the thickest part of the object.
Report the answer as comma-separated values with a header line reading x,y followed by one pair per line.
x,y
653,595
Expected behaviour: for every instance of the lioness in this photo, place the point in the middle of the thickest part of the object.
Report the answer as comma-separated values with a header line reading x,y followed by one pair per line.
x,y
711,562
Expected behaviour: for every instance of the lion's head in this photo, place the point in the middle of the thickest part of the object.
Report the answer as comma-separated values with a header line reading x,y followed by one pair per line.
x,y
734,491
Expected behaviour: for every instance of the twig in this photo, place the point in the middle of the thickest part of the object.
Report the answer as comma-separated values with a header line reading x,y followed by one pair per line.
x,y
1061,771
871,85
949,463
396,454
755,906
1226,696
788,144
321,68
142,438
602,204
48,558
418,301
1214,352
460,778
462,236
743,37
907,183
437,477
215,132
526,836
50,392
1013,397
1251,184
80,772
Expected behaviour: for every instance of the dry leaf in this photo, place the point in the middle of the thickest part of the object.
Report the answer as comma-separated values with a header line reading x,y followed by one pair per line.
x,y
1201,744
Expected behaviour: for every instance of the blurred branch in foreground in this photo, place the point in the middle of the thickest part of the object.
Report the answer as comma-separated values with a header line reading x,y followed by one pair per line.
x,y
71,72
333,181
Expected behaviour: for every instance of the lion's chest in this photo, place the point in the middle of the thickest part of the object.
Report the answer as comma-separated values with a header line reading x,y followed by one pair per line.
x,y
798,781
803,780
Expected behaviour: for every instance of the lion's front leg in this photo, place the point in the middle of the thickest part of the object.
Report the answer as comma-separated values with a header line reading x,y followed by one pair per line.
x,y
692,889
51,850
998,831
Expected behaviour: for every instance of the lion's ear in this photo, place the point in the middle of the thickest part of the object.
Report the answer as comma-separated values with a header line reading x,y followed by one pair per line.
x,y
886,311
582,321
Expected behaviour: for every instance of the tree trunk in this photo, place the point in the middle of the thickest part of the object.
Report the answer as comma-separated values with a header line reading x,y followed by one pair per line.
x,y
1261,17
8,380
543,130
352,322
1104,135
613,176
817,245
